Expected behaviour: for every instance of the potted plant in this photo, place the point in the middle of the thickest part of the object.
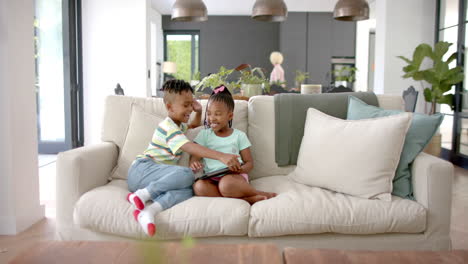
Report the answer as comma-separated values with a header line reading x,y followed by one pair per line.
x,y
440,76
299,78
252,81
345,76
216,79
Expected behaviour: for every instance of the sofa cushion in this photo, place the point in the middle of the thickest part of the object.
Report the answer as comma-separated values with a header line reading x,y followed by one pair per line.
x,y
140,131
422,128
356,157
261,133
105,209
300,209
262,136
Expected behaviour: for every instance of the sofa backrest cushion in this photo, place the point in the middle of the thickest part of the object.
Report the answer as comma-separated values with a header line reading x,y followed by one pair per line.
x,y
126,124
261,133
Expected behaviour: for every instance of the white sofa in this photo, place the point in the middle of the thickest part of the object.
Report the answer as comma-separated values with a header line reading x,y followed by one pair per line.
x,y
91,206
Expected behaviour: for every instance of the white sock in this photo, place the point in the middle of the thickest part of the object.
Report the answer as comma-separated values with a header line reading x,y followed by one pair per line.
x,y
146,218
139,198
143,194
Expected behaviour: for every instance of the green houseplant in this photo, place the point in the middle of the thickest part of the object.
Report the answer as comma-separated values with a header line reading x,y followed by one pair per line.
x,y
439,76
345,76
216,79
252,80
300,77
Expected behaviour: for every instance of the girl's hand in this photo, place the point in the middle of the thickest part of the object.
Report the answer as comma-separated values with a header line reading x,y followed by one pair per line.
x,y
197,107
196,166
231,161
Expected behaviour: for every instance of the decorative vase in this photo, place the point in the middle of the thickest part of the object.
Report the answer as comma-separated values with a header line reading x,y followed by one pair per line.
x,y
298,85
250,90
311,88
434,146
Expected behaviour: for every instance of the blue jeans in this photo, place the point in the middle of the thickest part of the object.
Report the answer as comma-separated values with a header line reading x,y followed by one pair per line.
x,y
168,185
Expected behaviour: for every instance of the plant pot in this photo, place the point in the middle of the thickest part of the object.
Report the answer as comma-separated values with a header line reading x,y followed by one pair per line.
x,y
250,90
298,85
434,146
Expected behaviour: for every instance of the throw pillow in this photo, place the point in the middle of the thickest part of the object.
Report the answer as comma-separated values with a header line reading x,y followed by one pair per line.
x,y
139,134
421,130
358,158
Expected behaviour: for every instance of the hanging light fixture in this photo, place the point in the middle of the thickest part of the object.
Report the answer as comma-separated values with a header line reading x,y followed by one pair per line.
x,y
351,10
189,10
270,10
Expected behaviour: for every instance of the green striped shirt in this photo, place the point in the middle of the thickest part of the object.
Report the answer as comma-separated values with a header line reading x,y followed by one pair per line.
x,y
167,140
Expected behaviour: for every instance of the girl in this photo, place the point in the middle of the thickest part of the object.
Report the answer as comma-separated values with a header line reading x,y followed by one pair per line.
x,y
219,136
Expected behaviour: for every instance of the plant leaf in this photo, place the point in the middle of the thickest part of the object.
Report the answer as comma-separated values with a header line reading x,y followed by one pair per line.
x,y
418,76
446,99
455,79
430,77
405,59
440,49
428,95
420,52
452,57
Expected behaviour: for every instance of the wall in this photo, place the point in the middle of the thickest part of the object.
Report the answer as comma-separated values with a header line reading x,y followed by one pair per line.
x,y
307,41
19,179
231,40
293,45
363,30
399,35
114,39
155,49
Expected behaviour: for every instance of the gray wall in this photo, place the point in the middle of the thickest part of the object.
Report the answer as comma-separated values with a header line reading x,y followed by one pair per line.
x,y
293,45
231,40
308,41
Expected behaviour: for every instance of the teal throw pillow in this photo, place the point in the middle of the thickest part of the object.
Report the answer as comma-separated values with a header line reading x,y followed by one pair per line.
x,y
421,130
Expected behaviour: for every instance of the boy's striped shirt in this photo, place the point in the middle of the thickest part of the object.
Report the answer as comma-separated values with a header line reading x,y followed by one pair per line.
x,y
167,140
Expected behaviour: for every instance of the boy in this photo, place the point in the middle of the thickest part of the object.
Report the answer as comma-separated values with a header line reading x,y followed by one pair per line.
x,y
154,175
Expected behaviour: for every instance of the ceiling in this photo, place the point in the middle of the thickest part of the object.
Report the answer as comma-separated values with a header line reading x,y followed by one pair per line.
x,y
244,7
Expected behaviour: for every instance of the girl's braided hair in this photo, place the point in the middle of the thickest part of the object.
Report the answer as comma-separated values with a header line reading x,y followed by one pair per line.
x,y
220,94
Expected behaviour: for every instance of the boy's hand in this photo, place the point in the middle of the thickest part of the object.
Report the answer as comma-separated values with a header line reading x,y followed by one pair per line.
x,y
197,107
231,161
196,165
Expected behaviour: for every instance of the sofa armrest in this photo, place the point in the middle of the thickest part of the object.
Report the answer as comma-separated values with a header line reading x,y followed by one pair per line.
x,y
80,170
432,187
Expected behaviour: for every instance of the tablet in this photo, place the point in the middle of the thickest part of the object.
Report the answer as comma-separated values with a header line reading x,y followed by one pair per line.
x,y
215,173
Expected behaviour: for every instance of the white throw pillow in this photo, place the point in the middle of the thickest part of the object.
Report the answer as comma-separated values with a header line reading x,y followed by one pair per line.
x,y
139,134
355,157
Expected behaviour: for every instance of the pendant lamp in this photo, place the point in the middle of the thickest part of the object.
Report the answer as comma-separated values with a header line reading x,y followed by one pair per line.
x,y
189,11
270,10
351,10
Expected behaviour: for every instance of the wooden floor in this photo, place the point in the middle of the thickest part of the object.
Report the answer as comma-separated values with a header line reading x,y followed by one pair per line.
x,y
10,246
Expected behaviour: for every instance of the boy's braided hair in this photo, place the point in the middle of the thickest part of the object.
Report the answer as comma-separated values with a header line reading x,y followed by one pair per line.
x,y
223,95
172,87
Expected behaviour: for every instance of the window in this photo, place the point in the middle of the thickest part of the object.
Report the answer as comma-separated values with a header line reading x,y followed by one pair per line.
x,y
183,49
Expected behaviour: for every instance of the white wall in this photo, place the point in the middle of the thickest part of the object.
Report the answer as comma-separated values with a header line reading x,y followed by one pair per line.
x,y
363,29
19,179
401,26
114,37
155,48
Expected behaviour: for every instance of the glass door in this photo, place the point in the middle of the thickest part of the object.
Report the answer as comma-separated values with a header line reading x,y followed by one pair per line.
x,y
57,81
454,129
182,47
